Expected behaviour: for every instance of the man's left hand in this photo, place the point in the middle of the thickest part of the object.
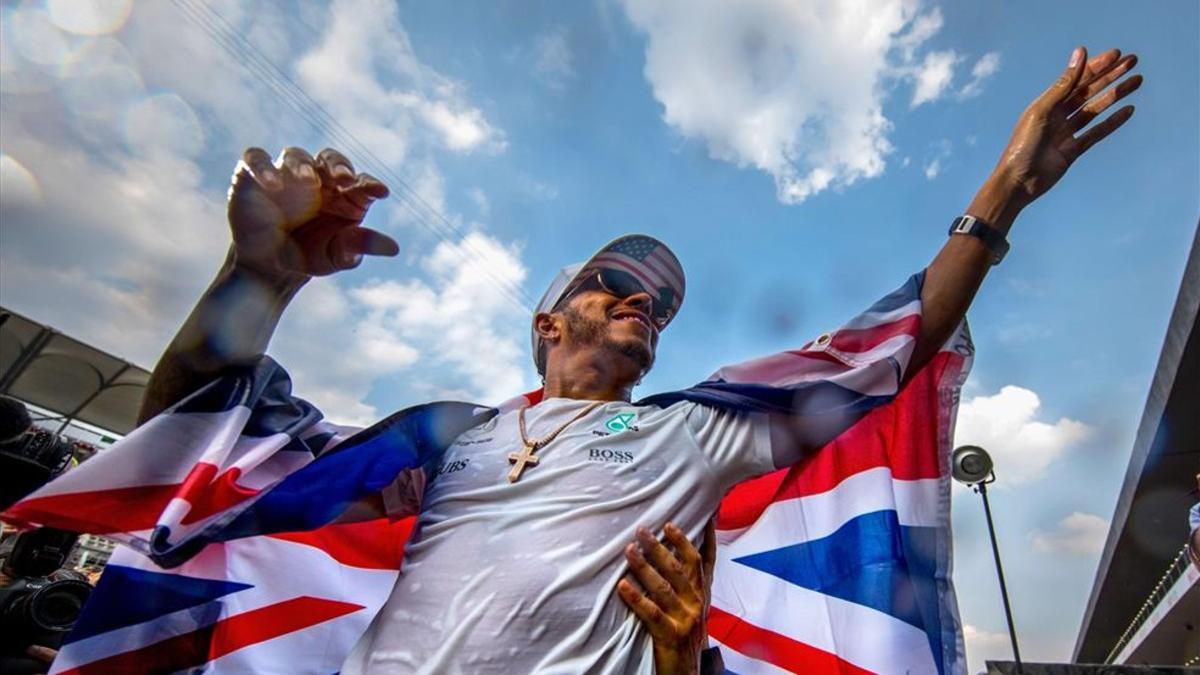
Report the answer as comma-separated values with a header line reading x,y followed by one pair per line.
x,y
669,591
1044,143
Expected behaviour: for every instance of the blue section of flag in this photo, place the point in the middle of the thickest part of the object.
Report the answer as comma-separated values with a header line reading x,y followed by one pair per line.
x,y
806,401
911,290
127,596
365,464
871,560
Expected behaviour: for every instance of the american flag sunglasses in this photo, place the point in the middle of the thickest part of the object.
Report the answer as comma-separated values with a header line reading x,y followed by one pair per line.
x,y
621,285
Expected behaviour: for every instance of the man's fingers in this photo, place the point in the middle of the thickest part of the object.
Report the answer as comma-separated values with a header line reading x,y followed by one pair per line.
x,y
1066,82
298,167
370,186
658,588
656,620
1101,131
687,554
665,562
258,162
1092,86
1098,65
347,247
334,166
1097,106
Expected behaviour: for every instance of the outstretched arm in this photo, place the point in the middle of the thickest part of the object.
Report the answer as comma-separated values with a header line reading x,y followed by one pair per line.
x,y
291,220
1044,144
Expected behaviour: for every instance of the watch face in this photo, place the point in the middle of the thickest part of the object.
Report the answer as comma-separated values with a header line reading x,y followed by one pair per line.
x,y
991,237
963,225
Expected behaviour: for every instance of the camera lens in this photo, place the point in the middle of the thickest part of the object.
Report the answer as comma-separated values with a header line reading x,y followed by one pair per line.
x,y
52,607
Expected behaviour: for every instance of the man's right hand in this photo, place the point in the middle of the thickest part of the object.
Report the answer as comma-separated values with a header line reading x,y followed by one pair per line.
x,y
300,217
292,220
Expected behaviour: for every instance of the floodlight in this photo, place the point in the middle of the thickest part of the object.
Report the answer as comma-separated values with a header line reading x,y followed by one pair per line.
x,y
971,465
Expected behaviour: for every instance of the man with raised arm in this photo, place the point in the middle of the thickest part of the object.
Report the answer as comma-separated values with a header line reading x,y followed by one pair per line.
x,y
524,517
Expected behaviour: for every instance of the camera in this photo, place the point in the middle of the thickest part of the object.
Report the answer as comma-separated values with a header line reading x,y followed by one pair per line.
x,y
42,601
39,600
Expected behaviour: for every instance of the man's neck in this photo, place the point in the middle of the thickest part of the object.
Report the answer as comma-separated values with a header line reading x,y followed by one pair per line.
x,y
590,376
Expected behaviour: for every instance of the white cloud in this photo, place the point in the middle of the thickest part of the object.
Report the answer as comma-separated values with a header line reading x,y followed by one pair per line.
x,y
939,152
922,28
792,89
1078,533
933,76
1021,446
553,62
933,168
479,198
366,46
985,645
462,318
116,249
165,47
987,66
111,228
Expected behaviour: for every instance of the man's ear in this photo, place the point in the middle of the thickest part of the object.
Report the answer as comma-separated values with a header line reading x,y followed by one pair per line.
x,y
547,326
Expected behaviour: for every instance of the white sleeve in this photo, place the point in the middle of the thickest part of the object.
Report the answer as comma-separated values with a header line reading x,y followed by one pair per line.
x,y
737,444
402,497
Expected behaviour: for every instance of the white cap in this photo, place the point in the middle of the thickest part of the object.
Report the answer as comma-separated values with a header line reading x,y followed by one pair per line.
x,y
645,258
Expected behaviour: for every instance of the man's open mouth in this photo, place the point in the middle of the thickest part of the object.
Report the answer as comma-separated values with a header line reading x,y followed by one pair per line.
x,y
633,315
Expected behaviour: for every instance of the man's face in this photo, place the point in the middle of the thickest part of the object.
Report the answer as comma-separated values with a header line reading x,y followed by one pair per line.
x,y
621,326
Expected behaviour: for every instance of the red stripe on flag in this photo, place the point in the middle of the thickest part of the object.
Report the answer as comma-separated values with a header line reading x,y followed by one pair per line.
x,y
778,650
223,637
134,508
866,339
901,435
210,494
372,544
96,512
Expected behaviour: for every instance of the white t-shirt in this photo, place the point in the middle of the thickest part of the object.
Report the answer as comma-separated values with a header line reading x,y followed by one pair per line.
x,y
503,577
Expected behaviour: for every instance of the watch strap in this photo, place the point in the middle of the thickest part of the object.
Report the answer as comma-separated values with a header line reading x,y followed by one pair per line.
x,y
991,237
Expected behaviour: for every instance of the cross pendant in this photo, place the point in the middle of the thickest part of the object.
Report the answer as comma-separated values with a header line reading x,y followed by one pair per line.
x,y
520,459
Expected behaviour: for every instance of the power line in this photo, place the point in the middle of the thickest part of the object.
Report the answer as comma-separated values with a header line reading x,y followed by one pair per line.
x,y
292,95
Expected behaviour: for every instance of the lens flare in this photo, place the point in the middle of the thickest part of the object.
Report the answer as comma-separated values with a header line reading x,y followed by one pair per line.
x,y
17,74
35,38
19,188
89,17
100,81
164,122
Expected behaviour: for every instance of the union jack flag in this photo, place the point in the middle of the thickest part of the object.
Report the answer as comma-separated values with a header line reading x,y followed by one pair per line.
x,y
840,564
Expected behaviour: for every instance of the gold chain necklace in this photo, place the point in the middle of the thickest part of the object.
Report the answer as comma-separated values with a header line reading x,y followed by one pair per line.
x,y
526,456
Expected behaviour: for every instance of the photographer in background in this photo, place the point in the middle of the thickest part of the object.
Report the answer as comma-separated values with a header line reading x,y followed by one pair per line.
x,y
39,600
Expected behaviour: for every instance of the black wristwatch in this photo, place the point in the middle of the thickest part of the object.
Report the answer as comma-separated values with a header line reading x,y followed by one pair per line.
x,y
990,236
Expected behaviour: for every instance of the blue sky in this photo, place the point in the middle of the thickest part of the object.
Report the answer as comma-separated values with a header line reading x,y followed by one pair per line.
x,y
802,160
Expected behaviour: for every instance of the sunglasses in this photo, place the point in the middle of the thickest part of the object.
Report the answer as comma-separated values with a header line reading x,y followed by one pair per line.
x,y
621,285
